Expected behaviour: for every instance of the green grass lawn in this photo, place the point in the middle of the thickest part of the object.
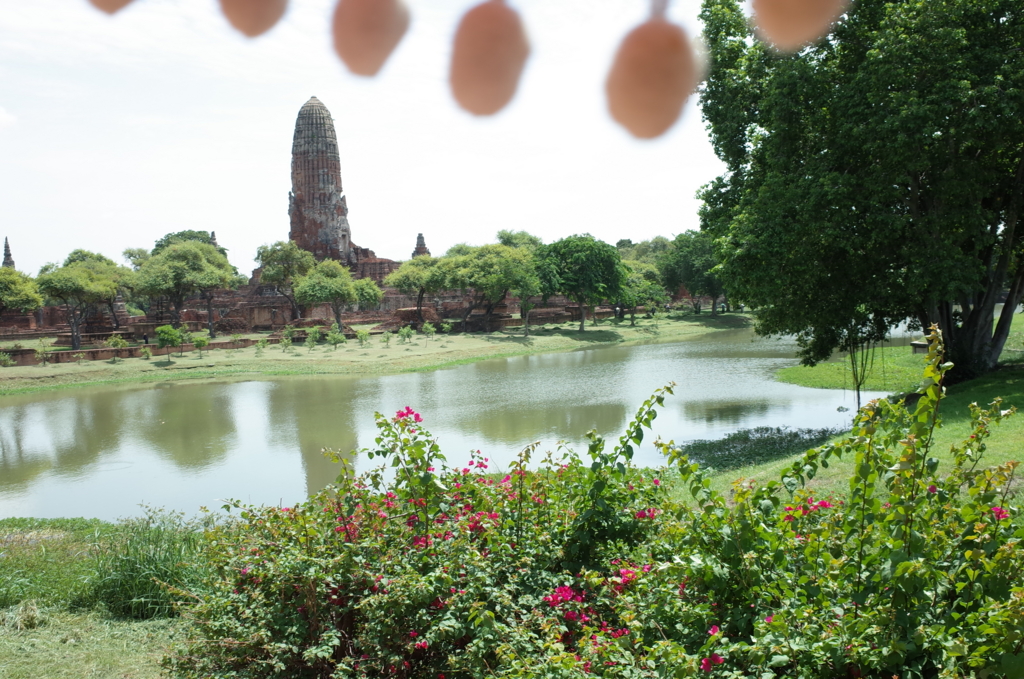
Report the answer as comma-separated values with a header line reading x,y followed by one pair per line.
x,y
374,358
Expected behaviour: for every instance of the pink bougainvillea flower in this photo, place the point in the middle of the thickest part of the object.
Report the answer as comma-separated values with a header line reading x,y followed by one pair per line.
x,y
656,482
933,489
714,630
769,618
717,659
705,664
414,634
1000,513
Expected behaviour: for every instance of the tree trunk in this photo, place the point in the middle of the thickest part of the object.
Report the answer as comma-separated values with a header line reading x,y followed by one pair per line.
x,y
337,315
714,305
419,305
113,316
583,316
209,316
632,316
76,331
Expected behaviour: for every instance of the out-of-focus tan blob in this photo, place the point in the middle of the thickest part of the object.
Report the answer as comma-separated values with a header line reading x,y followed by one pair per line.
x,y
367,31
253,17
791,24
654,72
488,57
109,6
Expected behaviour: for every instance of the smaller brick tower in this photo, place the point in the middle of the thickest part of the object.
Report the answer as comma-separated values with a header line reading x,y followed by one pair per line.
x,y
421,246
8,260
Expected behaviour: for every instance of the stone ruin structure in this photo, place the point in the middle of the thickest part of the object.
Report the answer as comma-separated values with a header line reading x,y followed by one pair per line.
x,y
8,260
317,206
421,247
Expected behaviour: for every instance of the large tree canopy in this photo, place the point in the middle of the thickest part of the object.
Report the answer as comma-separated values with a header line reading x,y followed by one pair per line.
x,y
80,284
875,177
583,268
329,282
416,277
184,269
282,264
18,291
690,263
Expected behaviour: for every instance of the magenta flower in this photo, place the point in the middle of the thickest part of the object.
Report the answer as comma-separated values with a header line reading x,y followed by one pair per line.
x,y
714,630
1000,513
717,659
933,489
769,618
656,482
705,664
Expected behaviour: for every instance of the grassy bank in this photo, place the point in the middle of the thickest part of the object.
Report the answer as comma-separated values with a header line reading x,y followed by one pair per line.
x,y
69,589
372,358
898,370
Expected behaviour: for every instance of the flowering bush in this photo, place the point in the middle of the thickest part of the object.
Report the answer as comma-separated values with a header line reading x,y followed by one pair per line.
x,y
584,566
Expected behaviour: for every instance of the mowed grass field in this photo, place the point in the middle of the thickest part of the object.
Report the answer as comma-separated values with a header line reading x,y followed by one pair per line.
x,y
373,358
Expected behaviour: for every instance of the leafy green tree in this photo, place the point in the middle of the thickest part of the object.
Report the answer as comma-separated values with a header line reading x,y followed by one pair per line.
x,y
200,342
519,239
648,251
168,336
328,282
136,257
363,336
385,338
583,268
335,337
312,338
18,291
874,177
106,267
183,237
690,262
416,277
527,289
184,269
405,334
368,293
641,288
487,273
117,343
77,286
282,265
429,330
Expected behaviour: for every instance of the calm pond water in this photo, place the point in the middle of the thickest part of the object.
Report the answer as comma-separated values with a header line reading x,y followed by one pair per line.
x,y
181,445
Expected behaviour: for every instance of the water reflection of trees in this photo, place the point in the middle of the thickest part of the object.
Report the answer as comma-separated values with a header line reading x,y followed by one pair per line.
x,y
524,424
317,413
188,424
723,412
63,435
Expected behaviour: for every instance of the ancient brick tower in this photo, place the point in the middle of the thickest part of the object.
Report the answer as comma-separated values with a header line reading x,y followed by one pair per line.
x,y
316,205
8,260
421,247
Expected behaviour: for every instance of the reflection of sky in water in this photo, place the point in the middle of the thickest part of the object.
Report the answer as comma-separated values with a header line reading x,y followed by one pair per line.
x,y
101,452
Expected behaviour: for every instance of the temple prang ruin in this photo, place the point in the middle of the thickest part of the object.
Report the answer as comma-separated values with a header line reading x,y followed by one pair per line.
x,y
318,218
8,260
317,206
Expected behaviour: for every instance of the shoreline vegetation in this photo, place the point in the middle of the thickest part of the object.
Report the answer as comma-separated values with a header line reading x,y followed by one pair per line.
x,y
75,594
372,357
52,625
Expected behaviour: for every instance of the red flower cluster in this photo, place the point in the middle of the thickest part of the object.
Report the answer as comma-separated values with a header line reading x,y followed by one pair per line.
x,y
408,413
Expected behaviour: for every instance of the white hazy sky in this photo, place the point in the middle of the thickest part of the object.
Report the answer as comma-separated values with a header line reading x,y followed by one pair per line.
x,y
117,130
